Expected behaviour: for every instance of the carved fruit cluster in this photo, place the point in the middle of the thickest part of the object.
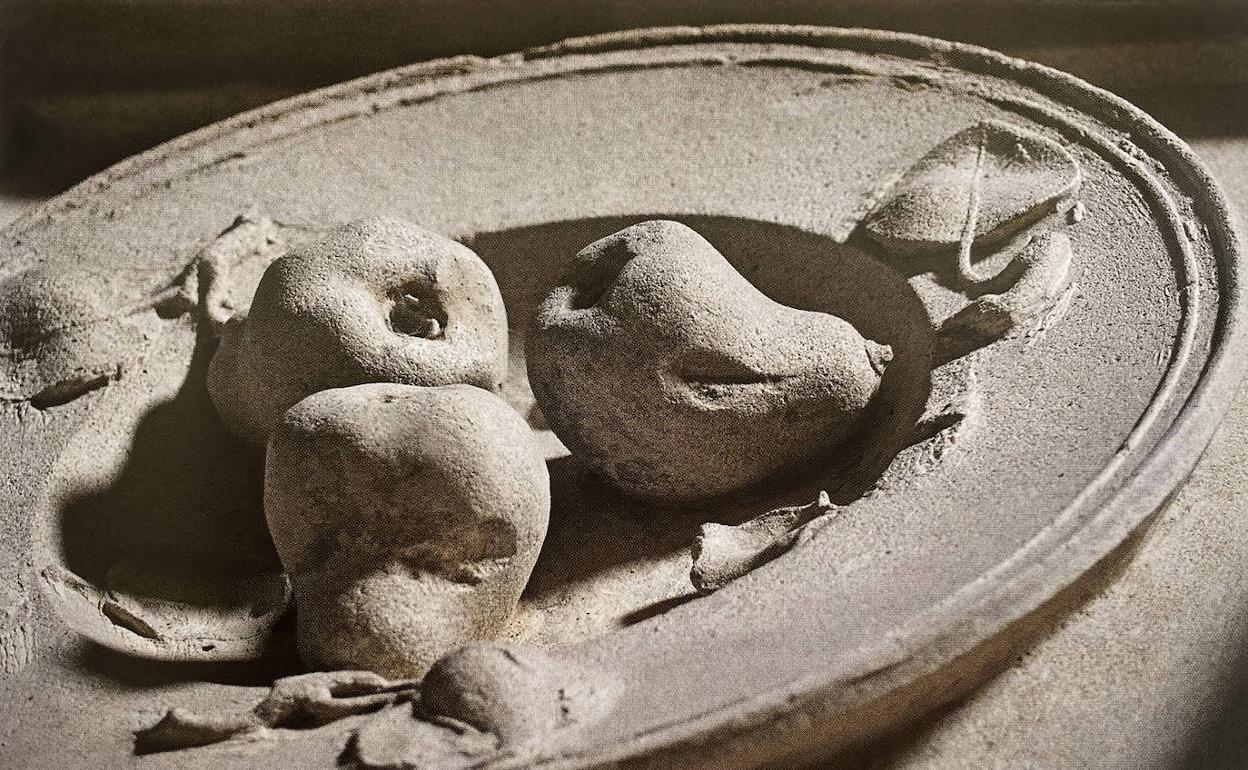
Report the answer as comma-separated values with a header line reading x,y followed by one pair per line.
x,y
377,301
407,501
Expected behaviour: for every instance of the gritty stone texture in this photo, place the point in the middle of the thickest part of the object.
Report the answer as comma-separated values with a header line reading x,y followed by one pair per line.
x,y
993,178
521,695
409,519
158,614
379,300
316,699
1152,673
646,132
61,335
482,701
1034,301
667,372
724,553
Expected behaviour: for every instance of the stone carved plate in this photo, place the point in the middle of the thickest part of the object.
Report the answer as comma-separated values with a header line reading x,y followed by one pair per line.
x,y
1054,272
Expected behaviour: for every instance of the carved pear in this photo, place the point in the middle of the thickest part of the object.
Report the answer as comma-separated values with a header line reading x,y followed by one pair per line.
x,y
667,372
377,301
408,518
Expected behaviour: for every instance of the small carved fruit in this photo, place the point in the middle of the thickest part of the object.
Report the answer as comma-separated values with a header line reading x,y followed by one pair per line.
x,y
377,301
666,371
519,694
62,334
409,519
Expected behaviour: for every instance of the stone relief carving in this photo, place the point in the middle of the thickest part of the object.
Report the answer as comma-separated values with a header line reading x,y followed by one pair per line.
x,y
474,703
409,519
60,339
843,174
370,303
485,700
668,373
140,607
724,553
406,499
61,335
994,185
156,616
977,187
296,702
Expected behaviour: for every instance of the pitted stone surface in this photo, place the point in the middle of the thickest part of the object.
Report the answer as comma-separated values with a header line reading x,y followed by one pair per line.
x,y
666,371
409,519
379,300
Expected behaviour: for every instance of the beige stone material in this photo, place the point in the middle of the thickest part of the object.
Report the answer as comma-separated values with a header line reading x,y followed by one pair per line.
x,y
980,497
667,372
409,519
379,300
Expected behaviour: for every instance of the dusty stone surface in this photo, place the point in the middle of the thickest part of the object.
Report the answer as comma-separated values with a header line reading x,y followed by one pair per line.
x,y
1033,302
520,695
294,702
158,614
898,548
61,335
723,553
409,519
977,186
667,372
1152,672
480,702
379,300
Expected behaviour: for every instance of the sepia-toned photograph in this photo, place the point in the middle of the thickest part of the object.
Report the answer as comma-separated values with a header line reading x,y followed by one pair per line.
x,y
623,385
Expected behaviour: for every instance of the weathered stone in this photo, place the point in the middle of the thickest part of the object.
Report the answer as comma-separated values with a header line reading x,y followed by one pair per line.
x,y
979,185
667,372
377,301
409,519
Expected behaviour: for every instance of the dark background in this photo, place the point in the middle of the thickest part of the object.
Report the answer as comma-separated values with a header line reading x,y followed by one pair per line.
x,y
87,82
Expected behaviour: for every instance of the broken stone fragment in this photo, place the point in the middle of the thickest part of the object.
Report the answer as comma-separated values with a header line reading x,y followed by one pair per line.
x,y
978,186
667,372
378,300
409,519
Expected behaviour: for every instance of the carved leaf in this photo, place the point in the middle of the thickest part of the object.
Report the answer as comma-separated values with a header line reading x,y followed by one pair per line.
x,y
303,701
724,553
1043,275
979,185
229,621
